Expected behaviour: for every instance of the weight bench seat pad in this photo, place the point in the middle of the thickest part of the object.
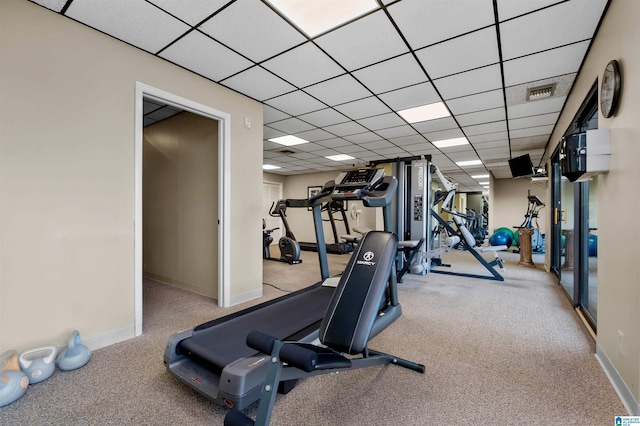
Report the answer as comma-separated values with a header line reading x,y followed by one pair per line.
x,y
346,326
225,342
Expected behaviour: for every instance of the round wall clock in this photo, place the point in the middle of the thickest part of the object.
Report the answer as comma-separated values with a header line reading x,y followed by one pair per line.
x,y
610,89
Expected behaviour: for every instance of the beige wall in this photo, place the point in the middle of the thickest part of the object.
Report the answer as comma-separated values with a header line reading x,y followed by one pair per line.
x,y
180,203
509,203
67,177
618,237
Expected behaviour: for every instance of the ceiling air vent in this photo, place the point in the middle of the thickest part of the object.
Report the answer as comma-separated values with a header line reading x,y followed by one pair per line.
x,y
541,92
286,151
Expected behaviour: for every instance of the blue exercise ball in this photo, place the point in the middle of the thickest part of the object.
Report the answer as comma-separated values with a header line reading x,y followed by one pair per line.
x,y
593,245
501,238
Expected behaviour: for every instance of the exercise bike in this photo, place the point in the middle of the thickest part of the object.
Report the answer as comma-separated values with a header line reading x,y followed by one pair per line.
x,y
289,247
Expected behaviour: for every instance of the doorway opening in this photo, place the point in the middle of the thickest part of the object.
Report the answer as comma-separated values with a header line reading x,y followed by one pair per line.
x,y
145,92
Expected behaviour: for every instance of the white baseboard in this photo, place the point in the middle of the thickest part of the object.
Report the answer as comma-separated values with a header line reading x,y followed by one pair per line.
x,y
245,297
630,403
109,338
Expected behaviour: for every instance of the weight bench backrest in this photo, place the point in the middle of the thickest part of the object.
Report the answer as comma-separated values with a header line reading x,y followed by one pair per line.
x,y
346,326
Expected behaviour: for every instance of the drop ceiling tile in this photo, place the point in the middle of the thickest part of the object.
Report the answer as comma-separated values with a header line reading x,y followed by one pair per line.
x,y
296,103
303,156
391,152
338,90
481,129
362,108
542,106
488,137
56,5
314,135
361,138
325,152
345,129
548,28
409,97
366,41
423,148
532,152
258,84
530,142
334,143
444,134
531,131
397,132
485,116
252,29
467,155
430,126
477,102
392,74
324,117
563,60
500,143
133,21
309,147
508,8
271,155
204,56
408,140
303,65
377,145
271,114
533,121
270,146
470,82
270,133
382,121
460,54
424,25
193,11
351,150
493,153
162,113
149,106
291,126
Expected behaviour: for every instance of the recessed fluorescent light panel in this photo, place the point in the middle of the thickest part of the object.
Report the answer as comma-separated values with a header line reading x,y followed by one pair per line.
x,y
269,167
340,157
317,16
288,140
484,184
425,112
480,176
450,142
468,163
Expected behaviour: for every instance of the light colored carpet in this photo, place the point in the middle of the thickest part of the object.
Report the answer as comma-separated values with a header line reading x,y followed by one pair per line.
x,y
511,352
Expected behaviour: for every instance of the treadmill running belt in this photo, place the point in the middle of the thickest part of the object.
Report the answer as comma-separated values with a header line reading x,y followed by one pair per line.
x,y
224,343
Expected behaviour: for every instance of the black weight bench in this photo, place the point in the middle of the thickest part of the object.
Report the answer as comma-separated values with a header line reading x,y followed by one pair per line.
x,y
348,325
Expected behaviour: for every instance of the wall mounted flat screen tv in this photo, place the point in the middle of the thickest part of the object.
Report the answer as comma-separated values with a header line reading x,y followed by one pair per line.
x,y
521,166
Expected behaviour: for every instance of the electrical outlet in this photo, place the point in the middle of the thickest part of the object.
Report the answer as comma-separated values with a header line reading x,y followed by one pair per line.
x,y
620,343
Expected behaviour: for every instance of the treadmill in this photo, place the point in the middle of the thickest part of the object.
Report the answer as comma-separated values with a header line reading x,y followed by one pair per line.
x,y
213,358
337,247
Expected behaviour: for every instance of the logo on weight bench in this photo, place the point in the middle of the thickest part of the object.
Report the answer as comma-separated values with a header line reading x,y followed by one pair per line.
x,y
367,259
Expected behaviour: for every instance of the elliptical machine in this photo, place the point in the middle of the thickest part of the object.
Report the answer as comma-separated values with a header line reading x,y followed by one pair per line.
x,y
289,247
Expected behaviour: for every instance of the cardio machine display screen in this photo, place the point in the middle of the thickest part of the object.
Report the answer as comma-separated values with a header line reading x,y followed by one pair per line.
x,y
362,176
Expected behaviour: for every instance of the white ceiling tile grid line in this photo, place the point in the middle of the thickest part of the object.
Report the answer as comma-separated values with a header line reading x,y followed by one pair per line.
x,y
343,88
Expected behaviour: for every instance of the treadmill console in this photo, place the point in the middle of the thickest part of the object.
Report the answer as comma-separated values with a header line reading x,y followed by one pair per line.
x,y
354,184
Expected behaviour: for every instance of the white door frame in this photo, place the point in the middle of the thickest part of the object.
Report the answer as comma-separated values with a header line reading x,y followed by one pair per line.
x,y
280,186
224,191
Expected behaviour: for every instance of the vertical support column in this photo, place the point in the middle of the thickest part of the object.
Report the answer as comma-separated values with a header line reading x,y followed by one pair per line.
x,y
321,246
